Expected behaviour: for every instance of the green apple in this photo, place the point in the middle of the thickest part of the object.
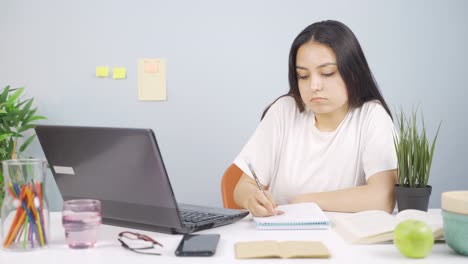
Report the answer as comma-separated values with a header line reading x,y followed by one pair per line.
x,y
413,238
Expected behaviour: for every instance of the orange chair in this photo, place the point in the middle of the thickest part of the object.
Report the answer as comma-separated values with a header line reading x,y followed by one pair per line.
x,y
228,183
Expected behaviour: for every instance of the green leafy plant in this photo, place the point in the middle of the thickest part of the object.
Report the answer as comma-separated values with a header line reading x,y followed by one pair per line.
x,y
414,152
16,118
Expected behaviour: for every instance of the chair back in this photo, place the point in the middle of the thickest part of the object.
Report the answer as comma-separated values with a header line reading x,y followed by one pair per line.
x,y
228,183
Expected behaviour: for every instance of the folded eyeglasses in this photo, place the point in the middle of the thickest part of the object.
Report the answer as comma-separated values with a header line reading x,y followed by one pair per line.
x,y
142,248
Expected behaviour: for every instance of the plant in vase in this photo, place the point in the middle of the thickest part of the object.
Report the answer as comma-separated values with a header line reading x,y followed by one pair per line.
x,y
16,119
414,154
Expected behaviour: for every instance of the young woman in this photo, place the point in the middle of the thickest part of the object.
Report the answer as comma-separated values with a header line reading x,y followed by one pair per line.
x,y
329,140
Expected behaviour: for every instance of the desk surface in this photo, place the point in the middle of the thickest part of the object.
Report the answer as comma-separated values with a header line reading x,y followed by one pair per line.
x,y
108,249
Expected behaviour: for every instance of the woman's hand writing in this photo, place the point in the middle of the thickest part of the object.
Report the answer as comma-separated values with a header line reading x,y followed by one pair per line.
x,y
262,204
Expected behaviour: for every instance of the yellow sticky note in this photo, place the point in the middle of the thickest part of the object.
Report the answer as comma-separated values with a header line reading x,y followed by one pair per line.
x,y
119,73
102,71
152,80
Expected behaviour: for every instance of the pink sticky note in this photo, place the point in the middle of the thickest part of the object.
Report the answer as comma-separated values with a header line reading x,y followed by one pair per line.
x,y
151,66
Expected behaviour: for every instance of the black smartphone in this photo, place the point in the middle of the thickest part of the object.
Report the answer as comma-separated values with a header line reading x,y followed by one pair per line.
x,y
197,245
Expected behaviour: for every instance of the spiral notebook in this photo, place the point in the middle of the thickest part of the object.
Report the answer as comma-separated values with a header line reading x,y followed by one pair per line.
x,y
296,216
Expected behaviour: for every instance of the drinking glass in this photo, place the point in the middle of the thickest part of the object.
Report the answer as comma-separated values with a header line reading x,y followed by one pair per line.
x,y
81,220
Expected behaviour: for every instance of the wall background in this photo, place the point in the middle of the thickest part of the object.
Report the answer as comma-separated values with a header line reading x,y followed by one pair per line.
x,y
226,60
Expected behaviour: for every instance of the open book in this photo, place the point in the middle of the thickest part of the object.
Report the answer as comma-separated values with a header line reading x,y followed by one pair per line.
x,y
296,216
284,249
377,226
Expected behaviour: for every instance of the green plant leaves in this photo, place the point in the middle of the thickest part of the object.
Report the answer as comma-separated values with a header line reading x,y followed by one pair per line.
x,y
16,118
414,152
26,143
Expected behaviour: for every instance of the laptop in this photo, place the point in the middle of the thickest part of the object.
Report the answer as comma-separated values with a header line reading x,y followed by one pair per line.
x,y
123,168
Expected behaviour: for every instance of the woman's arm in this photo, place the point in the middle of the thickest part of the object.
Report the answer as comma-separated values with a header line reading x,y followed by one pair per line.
x,y
248,196
377,194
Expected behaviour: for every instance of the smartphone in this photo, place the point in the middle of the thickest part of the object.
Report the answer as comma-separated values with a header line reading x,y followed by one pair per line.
x,y
198,245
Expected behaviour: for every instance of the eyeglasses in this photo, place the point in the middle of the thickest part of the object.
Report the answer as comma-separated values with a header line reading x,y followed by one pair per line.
x,y
138,249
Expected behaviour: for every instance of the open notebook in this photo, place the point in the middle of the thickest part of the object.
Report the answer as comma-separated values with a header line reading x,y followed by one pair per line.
x,y
281,249
296,216
374,226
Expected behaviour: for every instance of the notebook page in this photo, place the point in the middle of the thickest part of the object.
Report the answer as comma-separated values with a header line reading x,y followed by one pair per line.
x,y
296,216
367,223
433,219
303,249
257,249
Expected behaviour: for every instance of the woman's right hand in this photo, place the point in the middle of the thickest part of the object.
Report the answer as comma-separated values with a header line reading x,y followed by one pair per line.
x,y
261,204
248,196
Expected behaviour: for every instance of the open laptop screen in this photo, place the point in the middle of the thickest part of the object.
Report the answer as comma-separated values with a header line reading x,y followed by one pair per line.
x,y
122,167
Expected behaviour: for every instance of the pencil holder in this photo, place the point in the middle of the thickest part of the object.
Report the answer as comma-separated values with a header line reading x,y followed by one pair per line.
x,y
24,214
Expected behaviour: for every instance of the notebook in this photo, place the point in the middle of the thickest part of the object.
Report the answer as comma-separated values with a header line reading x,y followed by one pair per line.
x,y
374,226
124,169
296,216
283,249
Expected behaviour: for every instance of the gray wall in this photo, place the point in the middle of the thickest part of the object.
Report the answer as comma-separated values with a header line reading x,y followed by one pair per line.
x,y
226,61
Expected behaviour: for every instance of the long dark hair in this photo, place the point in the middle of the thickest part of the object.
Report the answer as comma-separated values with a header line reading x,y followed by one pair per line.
x,y
351,62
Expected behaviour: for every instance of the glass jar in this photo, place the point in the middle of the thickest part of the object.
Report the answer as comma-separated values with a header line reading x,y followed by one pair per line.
x,y
24,214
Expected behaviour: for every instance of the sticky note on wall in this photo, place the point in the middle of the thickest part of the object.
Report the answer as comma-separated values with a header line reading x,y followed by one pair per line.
x,y
119,73
152,80
102,71
151,66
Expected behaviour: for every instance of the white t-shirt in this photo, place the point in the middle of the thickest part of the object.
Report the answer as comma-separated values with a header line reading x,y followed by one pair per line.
x,y
293,157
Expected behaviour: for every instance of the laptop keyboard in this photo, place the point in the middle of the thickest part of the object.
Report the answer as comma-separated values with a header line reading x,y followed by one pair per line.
x,y
193,217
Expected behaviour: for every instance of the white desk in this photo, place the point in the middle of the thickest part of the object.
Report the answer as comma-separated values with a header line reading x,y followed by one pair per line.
x,y
109,250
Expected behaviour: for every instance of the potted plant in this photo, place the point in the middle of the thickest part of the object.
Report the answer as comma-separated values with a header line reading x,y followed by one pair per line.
x,y
414,154
16,117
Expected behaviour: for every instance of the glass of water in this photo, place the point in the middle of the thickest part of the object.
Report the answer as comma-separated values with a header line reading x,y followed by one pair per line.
x,y
81,219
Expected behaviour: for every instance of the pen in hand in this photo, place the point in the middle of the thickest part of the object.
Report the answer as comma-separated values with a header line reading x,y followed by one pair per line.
x,y
260,186
256,179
